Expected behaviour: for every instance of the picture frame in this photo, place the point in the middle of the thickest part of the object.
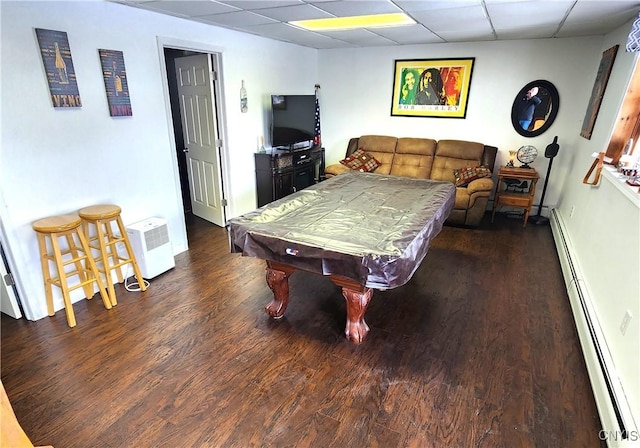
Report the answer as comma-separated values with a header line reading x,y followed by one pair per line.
x,y
116,86
599,87
58,66
543,113
431,87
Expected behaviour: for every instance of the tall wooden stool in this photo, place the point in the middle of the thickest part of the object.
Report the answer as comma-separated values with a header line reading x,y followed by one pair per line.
x,y
77,253
105,241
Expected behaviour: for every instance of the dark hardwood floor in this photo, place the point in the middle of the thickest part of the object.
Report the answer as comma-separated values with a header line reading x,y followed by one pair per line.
x,y
479,349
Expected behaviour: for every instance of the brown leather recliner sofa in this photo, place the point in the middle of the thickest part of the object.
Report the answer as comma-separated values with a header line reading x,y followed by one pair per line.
x,y
430,159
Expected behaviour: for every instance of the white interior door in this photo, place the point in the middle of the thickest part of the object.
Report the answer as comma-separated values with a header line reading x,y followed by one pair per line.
x,y
200,129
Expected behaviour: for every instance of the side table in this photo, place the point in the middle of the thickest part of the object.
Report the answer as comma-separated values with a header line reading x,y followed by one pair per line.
x,y
516,188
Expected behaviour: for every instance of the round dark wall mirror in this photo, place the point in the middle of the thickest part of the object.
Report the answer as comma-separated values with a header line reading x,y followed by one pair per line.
x,y
535,108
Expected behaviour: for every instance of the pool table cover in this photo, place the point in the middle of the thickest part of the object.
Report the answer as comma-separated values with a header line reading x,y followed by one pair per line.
x,y
374,229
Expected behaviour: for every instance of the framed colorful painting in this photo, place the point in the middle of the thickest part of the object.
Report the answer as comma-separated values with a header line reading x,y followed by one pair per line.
x,y
431,87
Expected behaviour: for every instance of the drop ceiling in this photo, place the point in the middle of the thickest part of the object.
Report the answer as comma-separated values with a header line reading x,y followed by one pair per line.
x,y
436,21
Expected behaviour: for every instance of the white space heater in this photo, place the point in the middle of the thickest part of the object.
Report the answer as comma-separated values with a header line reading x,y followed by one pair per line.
x,y
151,245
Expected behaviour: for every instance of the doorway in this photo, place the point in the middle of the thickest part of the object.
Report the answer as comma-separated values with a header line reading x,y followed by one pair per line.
x,y
193,87
9,301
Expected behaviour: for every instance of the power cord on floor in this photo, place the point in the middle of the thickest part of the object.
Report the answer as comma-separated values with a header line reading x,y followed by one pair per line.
x,y
133,285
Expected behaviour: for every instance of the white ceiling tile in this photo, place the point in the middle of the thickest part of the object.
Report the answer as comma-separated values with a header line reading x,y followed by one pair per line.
x,y
587,28
259,4
523,32
358,7
431,5
134,1
288,33
469,18
187,8
239,18
591,16
438,20
588,10
358,37
527,14
285,31
405,35
466,36
288,13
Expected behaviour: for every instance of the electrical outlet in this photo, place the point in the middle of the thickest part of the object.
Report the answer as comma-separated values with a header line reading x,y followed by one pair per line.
x,y
625,322
573,209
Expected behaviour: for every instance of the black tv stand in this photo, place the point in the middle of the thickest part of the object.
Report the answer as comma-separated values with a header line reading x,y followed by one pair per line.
x,y
280,172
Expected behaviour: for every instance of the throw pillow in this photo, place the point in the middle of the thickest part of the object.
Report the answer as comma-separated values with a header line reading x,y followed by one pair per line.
x,y
465,175
360,160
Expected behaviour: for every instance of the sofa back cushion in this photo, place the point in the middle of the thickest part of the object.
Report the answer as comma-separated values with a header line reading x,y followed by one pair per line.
x,y
382,148
414,157
453,155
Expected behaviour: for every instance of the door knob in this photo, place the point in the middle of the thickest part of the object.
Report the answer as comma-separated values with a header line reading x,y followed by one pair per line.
x,y
185,150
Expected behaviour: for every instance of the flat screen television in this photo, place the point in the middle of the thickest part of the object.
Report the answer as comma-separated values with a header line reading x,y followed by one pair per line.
x,y
293,119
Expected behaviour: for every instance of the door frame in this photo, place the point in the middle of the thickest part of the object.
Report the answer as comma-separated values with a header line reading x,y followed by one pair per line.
x,y
19,290
215,53
9,304
18,307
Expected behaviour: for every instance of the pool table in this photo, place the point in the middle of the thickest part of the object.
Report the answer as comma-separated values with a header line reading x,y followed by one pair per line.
x,y
364,231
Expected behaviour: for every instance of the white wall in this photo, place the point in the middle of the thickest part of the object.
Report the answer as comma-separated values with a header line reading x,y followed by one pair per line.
x,y
56,161
605,231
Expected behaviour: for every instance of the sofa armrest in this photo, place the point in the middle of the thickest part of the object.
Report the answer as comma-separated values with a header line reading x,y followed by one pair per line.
x,y
479,185
352,146
335,168
479,188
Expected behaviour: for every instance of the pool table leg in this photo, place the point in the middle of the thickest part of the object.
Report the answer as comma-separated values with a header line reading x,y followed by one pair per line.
x,y
278,281
356,295
357,302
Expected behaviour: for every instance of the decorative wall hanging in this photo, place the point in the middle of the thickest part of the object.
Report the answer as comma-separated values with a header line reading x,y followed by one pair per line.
x,y
317,137
602,78
56,58
431,87
115,83
633,40
535,108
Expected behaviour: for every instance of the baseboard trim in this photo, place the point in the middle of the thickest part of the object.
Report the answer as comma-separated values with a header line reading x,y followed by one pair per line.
x,y
618,423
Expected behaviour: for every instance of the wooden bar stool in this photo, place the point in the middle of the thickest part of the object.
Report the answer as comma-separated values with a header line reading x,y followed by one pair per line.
x,y
77,253
105,242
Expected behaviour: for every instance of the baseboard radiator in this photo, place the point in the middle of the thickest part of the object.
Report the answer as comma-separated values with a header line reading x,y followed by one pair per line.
x,y
618,425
